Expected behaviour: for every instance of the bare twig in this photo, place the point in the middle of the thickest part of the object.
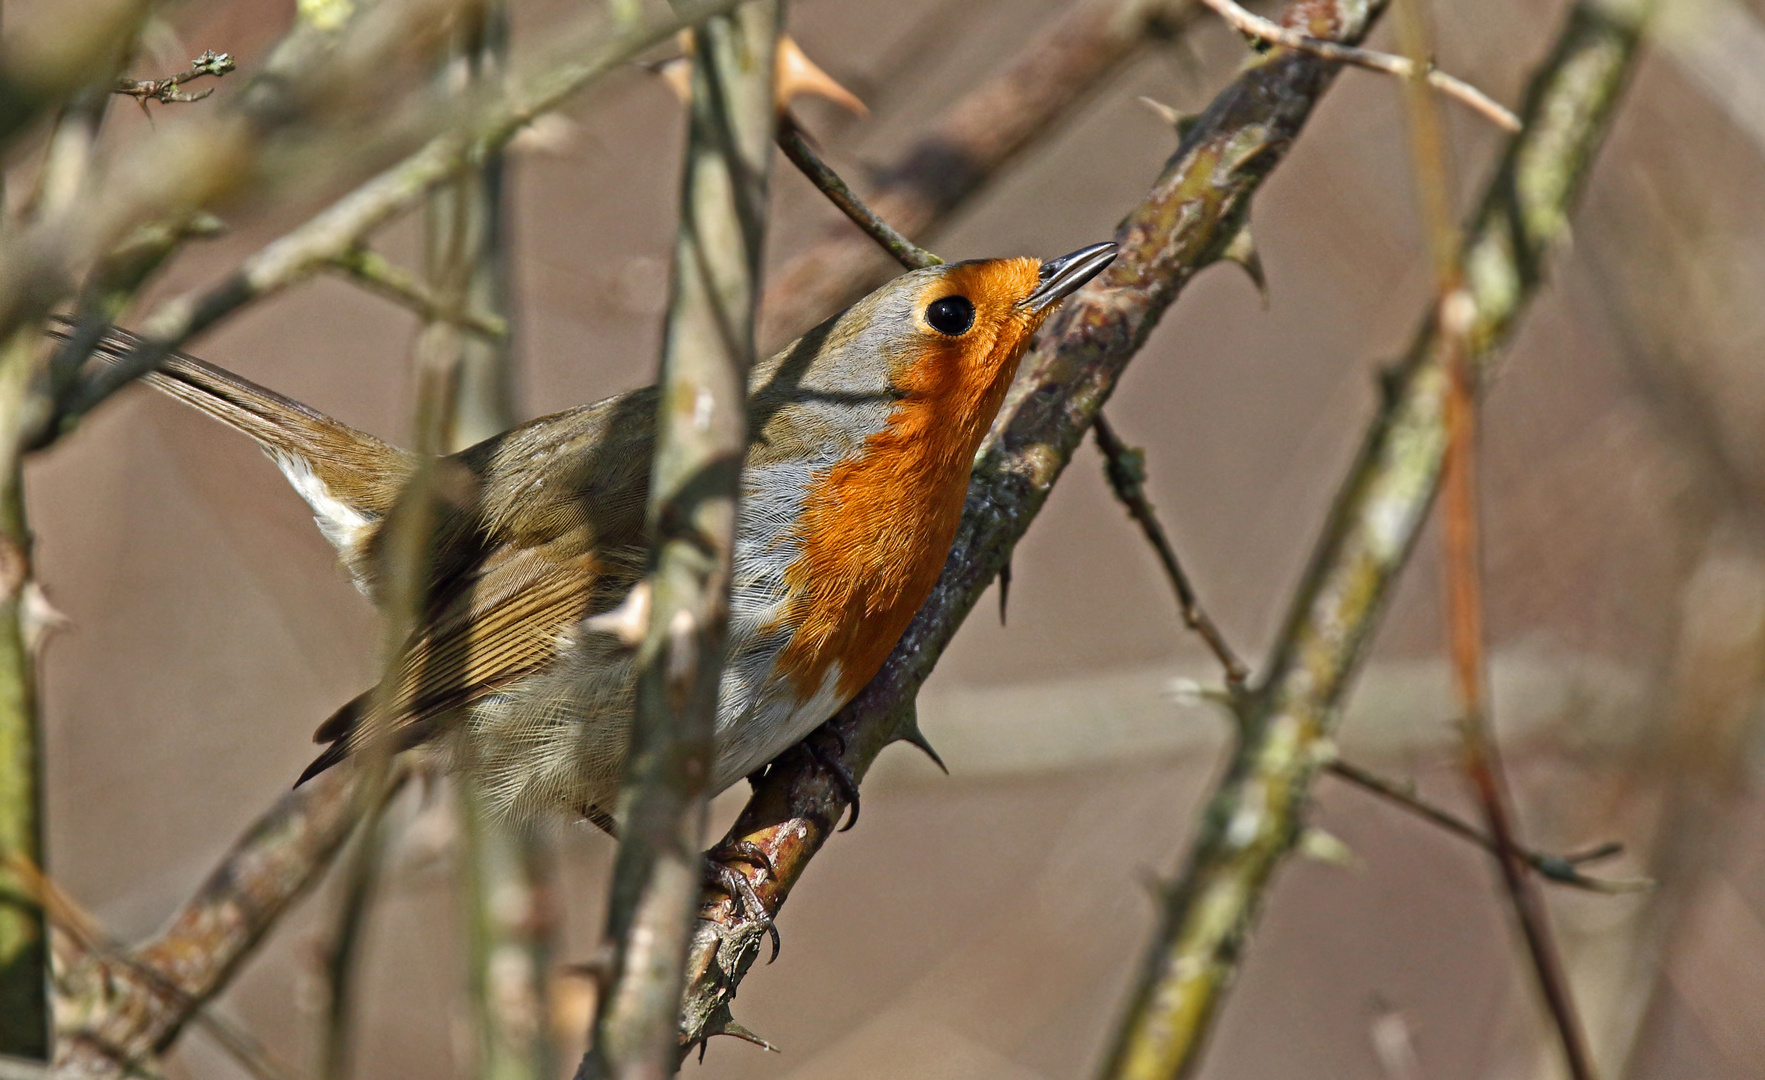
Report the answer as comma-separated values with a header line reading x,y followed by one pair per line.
x,y
1261,29
1191,214
168,90
1126,468
708,349
1254,816
378,274
796,147
1562,869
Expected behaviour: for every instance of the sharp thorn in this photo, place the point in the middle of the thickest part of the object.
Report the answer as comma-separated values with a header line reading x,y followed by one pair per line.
x,y
907,731
732,1028
917,738
1316,844
1179,122
1004,589
1242,250
797,74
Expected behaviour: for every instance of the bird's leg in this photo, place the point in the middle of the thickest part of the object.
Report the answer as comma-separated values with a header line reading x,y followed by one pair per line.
x,y
831,762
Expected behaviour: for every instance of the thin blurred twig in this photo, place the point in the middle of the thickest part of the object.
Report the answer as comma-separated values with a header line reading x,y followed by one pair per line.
x,y
702,434
1404,67
1125,467
1195,208
1254,816
378,274
1562,869
168,90
506,868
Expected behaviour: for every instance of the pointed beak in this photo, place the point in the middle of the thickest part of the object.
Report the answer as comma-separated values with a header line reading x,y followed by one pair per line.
x,y
1062,277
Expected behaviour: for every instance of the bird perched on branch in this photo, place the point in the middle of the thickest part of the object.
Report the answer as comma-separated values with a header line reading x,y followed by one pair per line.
x,y
863,433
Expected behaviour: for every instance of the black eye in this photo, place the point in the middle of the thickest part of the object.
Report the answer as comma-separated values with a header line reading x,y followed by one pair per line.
x,y
951,315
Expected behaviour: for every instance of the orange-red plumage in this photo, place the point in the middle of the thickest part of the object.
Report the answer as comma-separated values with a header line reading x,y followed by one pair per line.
x,y
876,528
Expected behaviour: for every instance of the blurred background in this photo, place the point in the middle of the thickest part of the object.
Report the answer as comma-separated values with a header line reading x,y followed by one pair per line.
x,y
986,925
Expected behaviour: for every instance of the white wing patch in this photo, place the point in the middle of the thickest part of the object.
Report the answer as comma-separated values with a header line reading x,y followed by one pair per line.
x,y
343,525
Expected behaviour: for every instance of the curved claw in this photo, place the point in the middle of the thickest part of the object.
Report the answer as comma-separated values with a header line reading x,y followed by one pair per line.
x,y
748,904
740,889
744,851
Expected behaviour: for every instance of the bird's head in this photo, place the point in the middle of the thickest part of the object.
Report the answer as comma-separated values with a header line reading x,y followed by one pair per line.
x,y
939,344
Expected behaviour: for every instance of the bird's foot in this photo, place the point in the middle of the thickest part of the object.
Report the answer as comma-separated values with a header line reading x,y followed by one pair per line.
x,y
719,874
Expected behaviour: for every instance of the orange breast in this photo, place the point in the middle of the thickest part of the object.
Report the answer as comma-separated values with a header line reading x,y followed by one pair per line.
x,y
877,528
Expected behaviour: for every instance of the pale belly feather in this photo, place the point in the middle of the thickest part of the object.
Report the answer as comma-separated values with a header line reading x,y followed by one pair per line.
x,y
557,738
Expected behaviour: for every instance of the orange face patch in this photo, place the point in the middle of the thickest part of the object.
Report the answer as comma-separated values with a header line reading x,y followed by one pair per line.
x,y
877,527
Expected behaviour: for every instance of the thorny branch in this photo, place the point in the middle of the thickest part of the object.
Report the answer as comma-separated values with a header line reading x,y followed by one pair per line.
x,y
1261,29
1195,208
167,90
1254,816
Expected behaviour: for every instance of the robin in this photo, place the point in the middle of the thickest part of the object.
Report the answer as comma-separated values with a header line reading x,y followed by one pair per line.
x,y
863,434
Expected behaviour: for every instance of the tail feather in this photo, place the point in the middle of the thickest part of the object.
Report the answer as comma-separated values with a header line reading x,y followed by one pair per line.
x,y
349,478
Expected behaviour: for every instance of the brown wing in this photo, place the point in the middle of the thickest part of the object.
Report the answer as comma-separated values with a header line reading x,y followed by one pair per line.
x,y
508,623
553,534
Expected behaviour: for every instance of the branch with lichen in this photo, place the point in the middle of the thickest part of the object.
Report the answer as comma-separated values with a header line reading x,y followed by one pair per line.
x,y
701,436
1195,209
1255,814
